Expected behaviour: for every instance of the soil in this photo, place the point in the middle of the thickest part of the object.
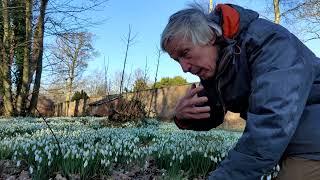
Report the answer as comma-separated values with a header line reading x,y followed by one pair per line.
x,y
10,171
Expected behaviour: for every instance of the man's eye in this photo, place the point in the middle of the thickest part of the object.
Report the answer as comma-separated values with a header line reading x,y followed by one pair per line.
x,y
185,53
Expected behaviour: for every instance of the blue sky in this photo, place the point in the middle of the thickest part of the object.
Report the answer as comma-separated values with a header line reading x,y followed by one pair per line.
x,y
147,19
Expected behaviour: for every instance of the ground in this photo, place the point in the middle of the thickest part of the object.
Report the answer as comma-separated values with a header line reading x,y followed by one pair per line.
x,y
10,171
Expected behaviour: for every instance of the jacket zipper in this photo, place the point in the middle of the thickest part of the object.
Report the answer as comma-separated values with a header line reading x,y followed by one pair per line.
x,y
220,98
218,87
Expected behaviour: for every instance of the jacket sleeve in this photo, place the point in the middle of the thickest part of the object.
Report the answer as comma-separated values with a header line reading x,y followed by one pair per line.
x,y
280,85
216,115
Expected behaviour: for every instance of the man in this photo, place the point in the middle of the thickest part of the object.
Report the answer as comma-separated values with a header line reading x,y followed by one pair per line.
x,y
256,68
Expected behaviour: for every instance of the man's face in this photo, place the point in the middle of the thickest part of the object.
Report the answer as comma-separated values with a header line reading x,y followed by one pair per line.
x,y
199,60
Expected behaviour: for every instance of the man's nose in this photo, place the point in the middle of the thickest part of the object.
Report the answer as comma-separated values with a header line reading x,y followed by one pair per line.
x,y
185,66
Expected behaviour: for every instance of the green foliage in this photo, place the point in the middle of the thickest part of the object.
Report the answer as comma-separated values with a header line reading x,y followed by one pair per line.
x,y
89,151
140,84
79,95
167,81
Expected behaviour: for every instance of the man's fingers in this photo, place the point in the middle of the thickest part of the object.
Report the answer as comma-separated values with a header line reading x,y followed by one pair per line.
x,y
198,101
194,91
204,109
199,116
196,110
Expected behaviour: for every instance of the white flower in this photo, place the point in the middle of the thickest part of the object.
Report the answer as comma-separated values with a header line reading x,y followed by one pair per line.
x,y
85,164
30,169
223,154
18,163
215,160
188,153
181,157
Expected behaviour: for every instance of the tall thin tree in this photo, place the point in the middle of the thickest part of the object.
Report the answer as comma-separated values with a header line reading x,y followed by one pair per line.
x,y
129,42
153,91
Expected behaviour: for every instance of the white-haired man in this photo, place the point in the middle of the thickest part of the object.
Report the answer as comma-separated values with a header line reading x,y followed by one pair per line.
x,y
256,68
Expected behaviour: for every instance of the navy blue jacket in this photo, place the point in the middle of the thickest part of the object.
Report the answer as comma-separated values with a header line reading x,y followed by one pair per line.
x,y
274,83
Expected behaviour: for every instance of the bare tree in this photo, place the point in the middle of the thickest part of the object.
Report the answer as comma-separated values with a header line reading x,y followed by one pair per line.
x,y
129,42
210,5
22,32
93,85
22,35
153,93
106,80
37,56
308,14
276,10
301,16
71,55
7,52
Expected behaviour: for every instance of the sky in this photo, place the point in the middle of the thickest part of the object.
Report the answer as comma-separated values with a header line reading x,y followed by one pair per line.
x,y
147,19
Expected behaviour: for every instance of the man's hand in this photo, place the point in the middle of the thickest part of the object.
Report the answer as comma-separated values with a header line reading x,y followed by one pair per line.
x,y
188,106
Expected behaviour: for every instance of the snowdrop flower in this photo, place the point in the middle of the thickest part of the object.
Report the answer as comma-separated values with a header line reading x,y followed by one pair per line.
x,y
30,169
223,154
18,163
181,158
85,164
215,160
200,149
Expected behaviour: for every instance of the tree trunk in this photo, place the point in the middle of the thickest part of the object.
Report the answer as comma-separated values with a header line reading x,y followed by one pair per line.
x,y
68,94
6,52
125,60
276,11
22,98
210,5
154,90
19,23
37,56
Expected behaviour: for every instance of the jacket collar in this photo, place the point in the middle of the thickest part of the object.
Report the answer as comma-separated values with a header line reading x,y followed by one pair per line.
x,y
233,19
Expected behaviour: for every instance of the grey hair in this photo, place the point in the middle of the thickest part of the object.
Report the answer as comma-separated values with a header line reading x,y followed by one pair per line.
x,y
193,24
